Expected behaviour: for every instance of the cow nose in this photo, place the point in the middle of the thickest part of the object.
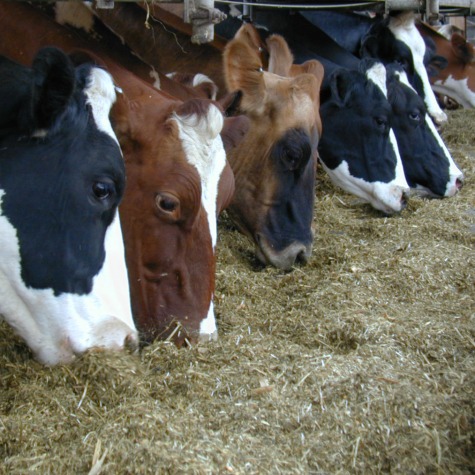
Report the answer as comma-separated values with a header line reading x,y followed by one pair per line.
x,y
285,258
403,201
458,184
302,257
131,342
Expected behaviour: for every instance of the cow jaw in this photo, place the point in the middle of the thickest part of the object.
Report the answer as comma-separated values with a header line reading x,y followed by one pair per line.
x,y
455,174
389,197
456,89
55,327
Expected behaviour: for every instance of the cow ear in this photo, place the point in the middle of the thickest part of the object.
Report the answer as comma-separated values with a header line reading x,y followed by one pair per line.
x,y
226,188
230,103
461,48
280,57
243,71
314,67
234,130
369,47
340,82
249,34
52,86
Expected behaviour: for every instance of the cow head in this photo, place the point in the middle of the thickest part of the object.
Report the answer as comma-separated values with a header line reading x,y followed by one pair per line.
x,y
63,282
174,160
396,39
200,84
457,78
428,165
358,148
274,165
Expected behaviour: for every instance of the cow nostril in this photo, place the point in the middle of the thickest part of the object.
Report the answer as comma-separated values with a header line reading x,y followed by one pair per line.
x,y
131,342
458,184
403,201
302,257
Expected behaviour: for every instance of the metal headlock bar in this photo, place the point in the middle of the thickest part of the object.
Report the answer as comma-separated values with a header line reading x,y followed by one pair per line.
x,y
202,14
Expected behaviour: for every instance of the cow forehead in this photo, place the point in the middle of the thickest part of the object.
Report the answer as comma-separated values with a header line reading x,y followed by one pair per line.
x,y
407,32
101,95
377,75
204,150
292,107
197,133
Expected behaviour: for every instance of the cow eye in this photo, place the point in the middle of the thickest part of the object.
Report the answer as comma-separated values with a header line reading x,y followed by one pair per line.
x,y
102,189
403,62
291,161
381,122
166,202
415,116
167,205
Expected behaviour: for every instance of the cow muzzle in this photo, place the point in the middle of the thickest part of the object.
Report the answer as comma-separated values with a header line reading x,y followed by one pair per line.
x,y
285,259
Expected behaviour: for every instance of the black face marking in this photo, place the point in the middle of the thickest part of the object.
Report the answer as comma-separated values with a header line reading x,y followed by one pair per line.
x,y
423,159
359,110
61,190
289,219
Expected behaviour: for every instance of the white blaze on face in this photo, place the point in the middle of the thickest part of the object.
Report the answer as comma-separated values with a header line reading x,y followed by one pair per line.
x,y
457,89
205,151
455,174
56,328
208,329
111,285
386,197
404,29
101,96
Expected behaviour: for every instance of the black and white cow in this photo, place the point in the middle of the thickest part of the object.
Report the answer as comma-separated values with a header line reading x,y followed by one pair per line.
x,y
358,148
428,164
394,37
63,281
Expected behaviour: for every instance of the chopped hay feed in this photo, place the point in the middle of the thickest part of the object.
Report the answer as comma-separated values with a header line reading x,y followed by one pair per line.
x,y
360,361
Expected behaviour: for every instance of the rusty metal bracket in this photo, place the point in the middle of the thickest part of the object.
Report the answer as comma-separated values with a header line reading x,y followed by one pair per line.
x,y
105,4
202,16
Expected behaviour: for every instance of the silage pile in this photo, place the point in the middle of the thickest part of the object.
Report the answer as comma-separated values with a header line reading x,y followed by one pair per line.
x,y
362,361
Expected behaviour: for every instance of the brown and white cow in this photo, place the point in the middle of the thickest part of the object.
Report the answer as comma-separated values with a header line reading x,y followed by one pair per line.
x,y
174,159
457,79
274,165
